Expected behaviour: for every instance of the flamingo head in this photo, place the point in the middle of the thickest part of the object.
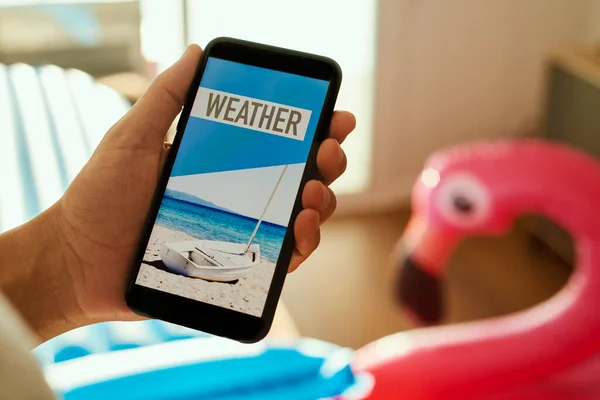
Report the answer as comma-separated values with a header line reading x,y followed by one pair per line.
x,y
470,190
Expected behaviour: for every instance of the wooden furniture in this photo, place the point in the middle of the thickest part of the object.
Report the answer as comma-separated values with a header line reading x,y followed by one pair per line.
x,y
572,116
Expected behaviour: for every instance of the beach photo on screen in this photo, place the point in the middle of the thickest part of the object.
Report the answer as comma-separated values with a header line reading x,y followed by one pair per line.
x,y
218,236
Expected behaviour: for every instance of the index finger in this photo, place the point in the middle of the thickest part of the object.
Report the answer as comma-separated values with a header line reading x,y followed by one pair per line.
x,y
342,123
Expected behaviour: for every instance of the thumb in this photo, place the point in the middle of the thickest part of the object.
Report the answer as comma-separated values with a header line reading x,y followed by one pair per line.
x,y
150,118
163,156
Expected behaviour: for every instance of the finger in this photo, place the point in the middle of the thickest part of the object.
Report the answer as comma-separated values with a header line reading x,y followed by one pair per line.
x,y
331,161
150,118
342,123
297,260
319,197
307,235
163,157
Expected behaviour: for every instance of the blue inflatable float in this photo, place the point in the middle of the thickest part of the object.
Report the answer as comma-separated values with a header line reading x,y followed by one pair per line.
x,y
210,368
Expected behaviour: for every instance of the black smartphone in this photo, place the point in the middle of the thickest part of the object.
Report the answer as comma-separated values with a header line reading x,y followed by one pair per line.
x,y
219,238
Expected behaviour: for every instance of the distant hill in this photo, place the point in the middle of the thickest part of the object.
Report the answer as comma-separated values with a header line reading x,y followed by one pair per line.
x,y
174,194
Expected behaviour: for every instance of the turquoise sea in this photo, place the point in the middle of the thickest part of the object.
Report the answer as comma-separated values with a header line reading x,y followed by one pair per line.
x,y
211,224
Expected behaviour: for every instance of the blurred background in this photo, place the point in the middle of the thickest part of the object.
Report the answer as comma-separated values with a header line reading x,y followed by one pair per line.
x,y
419,75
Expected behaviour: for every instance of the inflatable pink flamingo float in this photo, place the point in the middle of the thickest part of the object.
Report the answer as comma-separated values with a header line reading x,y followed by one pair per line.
x,y
547,352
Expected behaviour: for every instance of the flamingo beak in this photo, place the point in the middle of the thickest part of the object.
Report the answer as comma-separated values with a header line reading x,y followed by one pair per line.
x,y
419,289
420,294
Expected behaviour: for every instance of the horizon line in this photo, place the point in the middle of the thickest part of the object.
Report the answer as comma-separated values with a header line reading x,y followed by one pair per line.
x,y
224,210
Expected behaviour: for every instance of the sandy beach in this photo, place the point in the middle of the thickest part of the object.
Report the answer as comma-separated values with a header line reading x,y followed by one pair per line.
x,y
248,295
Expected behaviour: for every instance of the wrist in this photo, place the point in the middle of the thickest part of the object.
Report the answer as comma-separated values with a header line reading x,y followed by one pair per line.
x,y
35,275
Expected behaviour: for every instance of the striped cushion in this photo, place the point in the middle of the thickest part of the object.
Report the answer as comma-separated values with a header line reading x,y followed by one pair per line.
x,y
51,120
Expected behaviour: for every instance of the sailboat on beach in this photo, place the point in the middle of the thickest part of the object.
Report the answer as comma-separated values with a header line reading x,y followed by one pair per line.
x,y
215,260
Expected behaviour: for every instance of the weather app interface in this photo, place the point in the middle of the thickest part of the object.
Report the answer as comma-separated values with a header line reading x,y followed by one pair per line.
x,y
229,199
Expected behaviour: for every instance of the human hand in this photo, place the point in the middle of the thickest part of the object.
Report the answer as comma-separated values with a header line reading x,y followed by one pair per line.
x,y
101,216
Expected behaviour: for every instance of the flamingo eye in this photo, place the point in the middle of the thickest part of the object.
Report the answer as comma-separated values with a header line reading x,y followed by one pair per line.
x,y
463,200
462,204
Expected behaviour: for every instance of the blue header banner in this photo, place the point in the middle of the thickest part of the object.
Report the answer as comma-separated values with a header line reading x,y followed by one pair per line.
x,y
230,127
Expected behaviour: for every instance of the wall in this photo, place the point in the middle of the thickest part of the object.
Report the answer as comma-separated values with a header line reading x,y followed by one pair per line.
x,y
456,71
594,21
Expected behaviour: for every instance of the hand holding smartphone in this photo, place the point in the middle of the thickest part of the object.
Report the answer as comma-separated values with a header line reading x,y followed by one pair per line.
x,y
219,238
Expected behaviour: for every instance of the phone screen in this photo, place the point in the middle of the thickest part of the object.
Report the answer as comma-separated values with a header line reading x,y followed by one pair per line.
x,y
229,199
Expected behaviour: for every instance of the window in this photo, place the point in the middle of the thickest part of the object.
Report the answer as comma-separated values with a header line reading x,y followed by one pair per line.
x,y
342,30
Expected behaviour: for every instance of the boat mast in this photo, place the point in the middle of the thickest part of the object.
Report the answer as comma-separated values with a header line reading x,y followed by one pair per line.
x,y
265,210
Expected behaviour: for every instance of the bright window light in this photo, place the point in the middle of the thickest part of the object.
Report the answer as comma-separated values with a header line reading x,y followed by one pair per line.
x,y
342,30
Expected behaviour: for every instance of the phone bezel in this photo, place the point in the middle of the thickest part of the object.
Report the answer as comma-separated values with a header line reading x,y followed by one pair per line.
x,y
214,319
